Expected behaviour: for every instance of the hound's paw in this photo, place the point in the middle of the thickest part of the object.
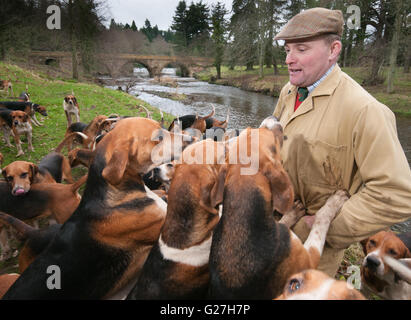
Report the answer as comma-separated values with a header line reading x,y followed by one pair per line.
x,y
338,199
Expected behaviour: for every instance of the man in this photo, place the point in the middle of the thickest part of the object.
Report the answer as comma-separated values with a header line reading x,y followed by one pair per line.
x,y
338,137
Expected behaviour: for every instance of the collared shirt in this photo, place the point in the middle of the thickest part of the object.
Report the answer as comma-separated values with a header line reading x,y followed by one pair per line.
x,y
315,84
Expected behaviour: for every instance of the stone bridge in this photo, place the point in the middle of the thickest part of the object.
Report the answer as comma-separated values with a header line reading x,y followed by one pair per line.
x,y
123,63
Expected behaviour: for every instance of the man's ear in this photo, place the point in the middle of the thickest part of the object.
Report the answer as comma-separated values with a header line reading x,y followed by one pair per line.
x,y
116,166
336,47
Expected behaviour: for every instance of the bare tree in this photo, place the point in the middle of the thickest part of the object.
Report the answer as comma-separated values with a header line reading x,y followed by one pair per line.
x,y
394,47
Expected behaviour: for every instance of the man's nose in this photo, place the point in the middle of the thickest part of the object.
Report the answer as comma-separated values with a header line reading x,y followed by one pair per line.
x,y
290,58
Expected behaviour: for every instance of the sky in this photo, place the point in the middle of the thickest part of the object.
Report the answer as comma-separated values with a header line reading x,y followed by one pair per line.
x,y
158,12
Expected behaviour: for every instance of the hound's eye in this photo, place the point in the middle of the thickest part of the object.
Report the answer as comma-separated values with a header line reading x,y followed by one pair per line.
x,y
392,252
9,178
372,243
294,285
24,175
169,165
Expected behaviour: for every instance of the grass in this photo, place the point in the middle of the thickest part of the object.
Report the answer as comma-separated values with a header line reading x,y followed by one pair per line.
x,y
399,101
93,100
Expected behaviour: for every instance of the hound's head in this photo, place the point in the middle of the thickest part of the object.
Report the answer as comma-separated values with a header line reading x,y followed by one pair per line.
x,y
379,245
19,176
71,100
40,109
134,147
19,118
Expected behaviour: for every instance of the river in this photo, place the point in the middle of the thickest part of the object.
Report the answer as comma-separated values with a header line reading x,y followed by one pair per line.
x,y
245,108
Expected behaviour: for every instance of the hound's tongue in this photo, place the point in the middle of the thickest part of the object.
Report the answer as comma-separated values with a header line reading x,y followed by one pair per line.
x,y
19,192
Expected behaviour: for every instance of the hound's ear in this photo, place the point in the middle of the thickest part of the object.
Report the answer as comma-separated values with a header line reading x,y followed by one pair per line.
x,y
33,170
213,197
116,166
281,188
217,192
4,173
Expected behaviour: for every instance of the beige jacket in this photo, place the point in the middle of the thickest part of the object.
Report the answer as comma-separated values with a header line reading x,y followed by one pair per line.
x,y
341,137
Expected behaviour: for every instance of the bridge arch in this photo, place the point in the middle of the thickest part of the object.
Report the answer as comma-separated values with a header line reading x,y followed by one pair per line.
x,y
129,65
184,70
51,62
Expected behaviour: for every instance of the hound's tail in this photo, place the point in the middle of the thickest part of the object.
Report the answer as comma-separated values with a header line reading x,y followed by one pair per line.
x,y
76,185
22,228
71,138
210,115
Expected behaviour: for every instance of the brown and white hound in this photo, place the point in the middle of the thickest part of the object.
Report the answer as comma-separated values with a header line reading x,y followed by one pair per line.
x,y
6,85
17,122
102,247
381,271
252,255
71,109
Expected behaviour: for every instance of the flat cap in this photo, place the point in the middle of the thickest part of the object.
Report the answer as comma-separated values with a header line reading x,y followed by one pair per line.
x,y
311,23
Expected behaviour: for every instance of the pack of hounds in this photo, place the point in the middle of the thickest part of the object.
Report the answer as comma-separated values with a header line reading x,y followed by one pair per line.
x,y
168,229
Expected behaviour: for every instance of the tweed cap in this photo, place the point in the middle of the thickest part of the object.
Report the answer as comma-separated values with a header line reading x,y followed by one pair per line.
x,y
311,23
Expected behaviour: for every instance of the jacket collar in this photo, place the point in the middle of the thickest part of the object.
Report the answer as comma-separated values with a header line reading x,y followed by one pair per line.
x,y
325,88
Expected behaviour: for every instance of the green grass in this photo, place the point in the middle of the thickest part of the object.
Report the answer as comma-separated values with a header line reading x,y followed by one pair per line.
x,y
93,100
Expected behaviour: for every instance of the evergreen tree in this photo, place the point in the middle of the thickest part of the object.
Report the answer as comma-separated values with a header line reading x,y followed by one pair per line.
x,y
180,24
133,26
219,30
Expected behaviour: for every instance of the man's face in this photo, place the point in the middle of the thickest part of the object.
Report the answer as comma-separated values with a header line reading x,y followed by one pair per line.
x,y
308,61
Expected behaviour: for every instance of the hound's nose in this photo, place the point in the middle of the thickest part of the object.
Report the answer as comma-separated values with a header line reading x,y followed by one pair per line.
x,y
373,262
16,123
156,171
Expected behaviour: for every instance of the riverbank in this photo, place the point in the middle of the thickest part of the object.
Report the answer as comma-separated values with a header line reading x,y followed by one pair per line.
x,y
399,101
92,98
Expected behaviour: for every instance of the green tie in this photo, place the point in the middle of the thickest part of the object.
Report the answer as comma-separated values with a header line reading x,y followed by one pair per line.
x,y
302,94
